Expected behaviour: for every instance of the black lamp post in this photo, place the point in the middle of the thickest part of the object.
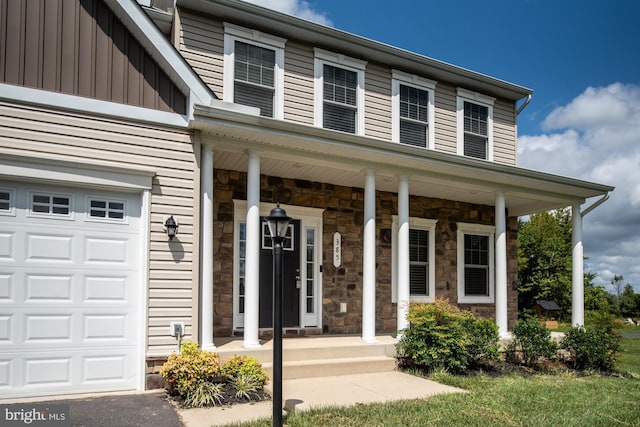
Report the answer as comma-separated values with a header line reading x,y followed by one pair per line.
x,y
278,222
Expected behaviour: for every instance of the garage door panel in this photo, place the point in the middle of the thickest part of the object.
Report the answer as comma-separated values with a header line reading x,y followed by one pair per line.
x,y
7,290
70,288
6,246
48,287
52,371
102,250
49,247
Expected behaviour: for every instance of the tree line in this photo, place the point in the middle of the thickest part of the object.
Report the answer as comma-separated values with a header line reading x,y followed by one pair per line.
x,y
544,270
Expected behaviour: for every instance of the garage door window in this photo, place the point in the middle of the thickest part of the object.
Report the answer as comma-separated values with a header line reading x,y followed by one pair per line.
x,y
6,202
50,205
101,209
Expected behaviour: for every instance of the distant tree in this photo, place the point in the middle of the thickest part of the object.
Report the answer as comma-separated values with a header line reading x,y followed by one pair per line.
x,y
544,259
629,302
616,282
596,298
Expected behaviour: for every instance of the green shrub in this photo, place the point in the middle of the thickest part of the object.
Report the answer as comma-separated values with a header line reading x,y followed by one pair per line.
x,y
531,343
186,371
602,320
247,366
591,348
204,394
246,386
441,336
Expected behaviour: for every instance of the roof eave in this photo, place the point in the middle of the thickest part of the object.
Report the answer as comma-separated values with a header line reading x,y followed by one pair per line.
x,y
333,39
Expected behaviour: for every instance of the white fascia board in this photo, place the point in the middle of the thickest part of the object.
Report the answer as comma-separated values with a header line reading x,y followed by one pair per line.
x,y
88,173
146,32
98,107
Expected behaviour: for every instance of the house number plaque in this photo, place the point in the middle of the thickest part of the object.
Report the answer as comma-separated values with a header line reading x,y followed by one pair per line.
x,y
337,249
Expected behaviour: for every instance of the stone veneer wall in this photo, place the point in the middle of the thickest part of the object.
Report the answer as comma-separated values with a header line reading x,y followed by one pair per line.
x,y
344,212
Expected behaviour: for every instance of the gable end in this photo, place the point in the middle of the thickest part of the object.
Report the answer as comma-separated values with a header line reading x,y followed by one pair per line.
x,y
79,47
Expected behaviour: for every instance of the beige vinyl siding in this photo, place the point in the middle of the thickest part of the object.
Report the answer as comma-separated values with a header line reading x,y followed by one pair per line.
x,y
446,118
202,46
377,109
298,83
42,133
504,132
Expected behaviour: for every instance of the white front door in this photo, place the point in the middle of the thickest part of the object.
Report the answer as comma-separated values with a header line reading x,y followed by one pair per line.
x,y
70,290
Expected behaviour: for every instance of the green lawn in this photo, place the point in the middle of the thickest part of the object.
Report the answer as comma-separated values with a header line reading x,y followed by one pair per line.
x,y
540,400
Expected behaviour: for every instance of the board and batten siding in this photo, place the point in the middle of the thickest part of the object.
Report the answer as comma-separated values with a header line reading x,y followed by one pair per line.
x,y
80,48
42,133
202,46
377,105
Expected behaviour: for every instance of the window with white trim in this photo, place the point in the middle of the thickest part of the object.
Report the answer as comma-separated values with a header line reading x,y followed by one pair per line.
x,y
7,202
475,263
475,125
413,111
56,205
109,210
421,259
339,92
254,70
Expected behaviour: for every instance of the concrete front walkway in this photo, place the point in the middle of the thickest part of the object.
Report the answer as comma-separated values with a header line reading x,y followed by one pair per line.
x,y
305,393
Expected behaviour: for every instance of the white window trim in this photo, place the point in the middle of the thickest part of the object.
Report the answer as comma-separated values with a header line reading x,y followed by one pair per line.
x,y
398,78
418,224
89,218
323,57
12,201
480,99
233,33
31,214
480,230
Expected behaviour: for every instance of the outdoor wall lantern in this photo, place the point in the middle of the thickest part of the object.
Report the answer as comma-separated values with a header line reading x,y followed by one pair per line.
x,y
278,222
171,227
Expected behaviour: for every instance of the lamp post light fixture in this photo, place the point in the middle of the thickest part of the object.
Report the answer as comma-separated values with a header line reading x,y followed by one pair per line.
x,y
171,227
278,222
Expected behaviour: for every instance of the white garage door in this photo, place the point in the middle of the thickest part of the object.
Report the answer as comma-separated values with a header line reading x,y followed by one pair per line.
x,y
70,290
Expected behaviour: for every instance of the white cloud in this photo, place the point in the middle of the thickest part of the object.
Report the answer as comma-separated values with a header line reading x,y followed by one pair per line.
x,y
299,8
596,137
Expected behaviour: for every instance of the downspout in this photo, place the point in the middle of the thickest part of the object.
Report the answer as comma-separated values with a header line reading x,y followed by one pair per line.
x,y
596,204
524,105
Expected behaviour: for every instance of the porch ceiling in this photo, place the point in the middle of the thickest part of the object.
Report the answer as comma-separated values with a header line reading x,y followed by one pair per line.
x,y
296,151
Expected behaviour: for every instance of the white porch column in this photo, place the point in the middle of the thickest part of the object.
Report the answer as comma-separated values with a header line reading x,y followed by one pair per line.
x,y
252,257
403,253
577,270
501,266
206,283
369,260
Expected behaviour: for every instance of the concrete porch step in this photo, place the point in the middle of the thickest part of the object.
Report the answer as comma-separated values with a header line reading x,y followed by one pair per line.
x,y
333,367
320,356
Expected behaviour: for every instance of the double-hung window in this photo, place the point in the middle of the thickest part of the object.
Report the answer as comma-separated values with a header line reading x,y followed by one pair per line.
x,y
475,125
339,92
413,111
254,70
475,263
421,259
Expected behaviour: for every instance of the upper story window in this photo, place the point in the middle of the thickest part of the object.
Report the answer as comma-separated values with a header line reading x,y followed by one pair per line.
x,y
475,125
339,92
475,263
254,70
421,259
413,111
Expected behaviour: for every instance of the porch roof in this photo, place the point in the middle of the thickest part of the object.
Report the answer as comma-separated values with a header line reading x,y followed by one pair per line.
x,y
296,151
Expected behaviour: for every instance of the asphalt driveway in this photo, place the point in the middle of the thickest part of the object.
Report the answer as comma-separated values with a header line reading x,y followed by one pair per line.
x,y
129,410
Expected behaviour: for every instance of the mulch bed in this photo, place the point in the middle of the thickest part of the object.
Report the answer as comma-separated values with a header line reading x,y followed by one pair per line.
x,y
229,398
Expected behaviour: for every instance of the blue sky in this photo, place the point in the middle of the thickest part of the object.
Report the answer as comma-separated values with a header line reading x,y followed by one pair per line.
x,y
582,60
